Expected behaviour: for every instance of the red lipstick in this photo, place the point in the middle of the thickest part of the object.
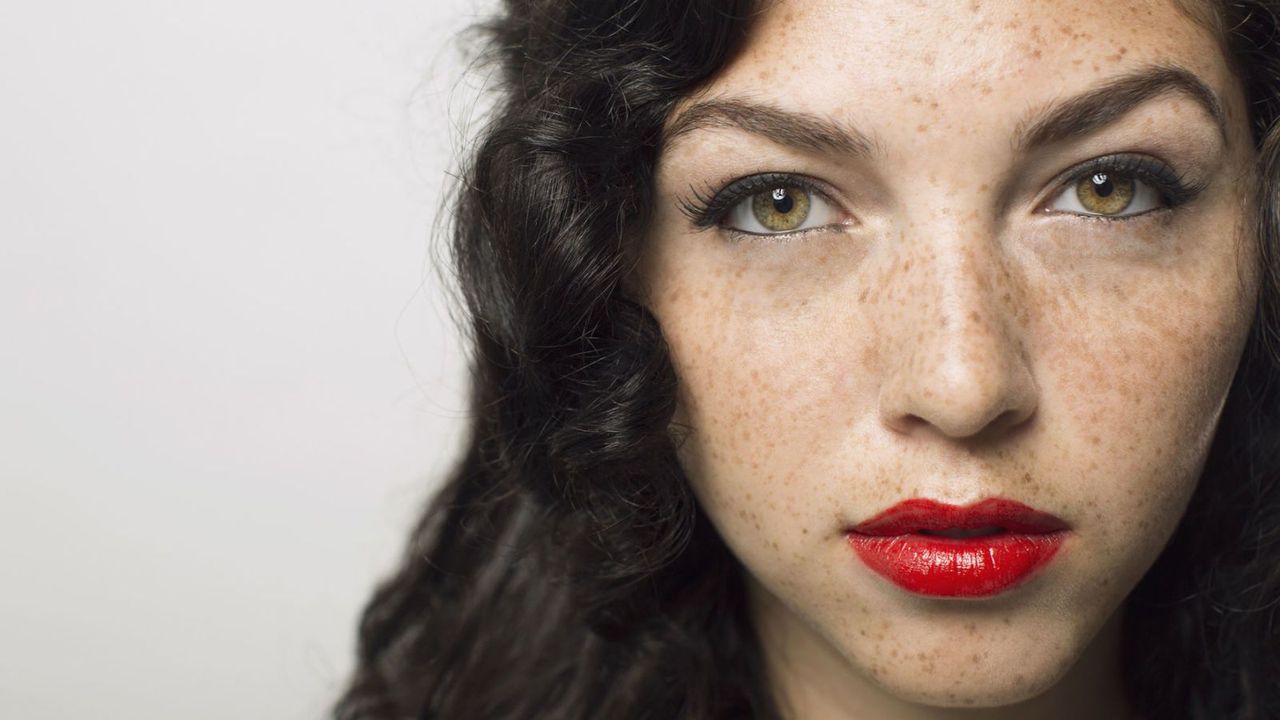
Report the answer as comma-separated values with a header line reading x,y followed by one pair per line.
x,y
942,550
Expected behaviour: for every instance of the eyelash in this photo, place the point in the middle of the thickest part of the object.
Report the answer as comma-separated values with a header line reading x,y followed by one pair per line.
x,y
1173,188
706,207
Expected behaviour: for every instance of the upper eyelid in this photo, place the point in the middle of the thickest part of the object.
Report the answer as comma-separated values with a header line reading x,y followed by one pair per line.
x,y
724,203
1173,186
1139,167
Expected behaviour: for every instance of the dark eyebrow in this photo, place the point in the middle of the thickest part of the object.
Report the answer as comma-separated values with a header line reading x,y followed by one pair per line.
x,y
1062,120
1096,108
789,127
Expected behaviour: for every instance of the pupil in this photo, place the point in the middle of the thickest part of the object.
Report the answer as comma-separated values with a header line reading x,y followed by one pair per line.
x,y
782,202
1102,185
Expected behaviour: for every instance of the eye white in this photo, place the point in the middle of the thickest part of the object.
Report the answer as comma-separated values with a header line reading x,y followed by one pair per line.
x,y
1145,198
740,216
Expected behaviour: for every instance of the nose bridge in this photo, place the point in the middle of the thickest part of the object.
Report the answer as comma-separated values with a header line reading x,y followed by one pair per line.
x,y
952,351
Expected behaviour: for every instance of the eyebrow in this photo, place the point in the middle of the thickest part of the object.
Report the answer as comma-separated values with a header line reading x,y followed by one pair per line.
x,y
1096,108
1053,123
800,130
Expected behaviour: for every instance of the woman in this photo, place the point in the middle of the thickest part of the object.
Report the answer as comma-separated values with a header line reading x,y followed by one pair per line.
x,y
859,360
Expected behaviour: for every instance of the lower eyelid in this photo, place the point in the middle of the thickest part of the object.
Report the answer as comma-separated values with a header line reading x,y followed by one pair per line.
x,y
784,236
1118,218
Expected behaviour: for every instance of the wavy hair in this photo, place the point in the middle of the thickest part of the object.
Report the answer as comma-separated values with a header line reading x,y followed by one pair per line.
x,y
564,569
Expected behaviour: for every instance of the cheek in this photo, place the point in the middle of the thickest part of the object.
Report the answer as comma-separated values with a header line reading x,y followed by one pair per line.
x,y
764,364
1137,373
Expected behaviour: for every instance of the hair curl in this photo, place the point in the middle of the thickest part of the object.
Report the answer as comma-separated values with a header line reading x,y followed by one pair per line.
x,y
565,570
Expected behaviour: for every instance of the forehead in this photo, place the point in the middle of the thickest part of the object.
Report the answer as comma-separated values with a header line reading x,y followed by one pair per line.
x,y
873,60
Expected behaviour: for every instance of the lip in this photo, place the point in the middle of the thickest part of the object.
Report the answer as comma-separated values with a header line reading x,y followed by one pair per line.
x,y
892,545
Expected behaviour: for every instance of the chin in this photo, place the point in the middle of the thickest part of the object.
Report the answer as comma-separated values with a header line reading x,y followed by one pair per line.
x,y
994,661
978,687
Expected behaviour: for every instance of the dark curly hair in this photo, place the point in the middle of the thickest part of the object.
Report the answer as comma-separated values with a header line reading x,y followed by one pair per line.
x,y
565,570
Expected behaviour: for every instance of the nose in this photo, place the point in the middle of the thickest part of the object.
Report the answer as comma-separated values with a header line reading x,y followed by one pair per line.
x,y
951,344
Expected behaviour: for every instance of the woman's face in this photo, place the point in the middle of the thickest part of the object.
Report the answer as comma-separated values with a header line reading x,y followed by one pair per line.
x,y
934,296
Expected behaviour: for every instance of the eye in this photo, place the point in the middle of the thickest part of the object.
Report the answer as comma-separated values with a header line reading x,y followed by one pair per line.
x,y
767,204
780,209
1121,186
1108,194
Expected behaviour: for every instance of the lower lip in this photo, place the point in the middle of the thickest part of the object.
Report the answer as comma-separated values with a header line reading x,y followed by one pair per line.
x,y
957,567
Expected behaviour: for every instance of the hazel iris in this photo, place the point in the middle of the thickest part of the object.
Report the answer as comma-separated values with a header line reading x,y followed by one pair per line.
x,y
782,208
1104,193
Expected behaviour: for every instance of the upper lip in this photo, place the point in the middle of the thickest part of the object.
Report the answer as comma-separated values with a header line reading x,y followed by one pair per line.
x,y
917,514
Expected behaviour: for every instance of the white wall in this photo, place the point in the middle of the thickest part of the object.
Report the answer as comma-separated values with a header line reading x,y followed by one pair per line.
x,y
227,373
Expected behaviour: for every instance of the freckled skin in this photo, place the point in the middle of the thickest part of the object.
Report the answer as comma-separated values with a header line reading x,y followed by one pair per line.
x,y
951,342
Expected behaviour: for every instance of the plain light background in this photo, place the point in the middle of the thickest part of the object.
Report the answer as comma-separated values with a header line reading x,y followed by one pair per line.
x,y
228,374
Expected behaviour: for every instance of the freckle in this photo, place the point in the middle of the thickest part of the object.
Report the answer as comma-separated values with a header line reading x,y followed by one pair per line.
x,y
921,128
1094,439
